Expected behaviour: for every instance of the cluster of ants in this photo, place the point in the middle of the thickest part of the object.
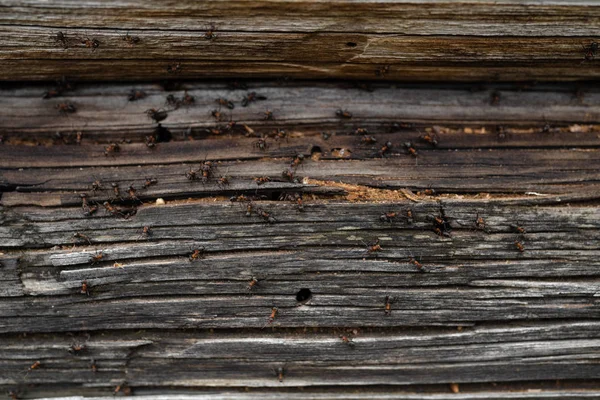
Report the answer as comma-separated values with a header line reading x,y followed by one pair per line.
x,y
90,207
409,147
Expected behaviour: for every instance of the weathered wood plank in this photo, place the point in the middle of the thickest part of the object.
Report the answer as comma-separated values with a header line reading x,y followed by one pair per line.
x,y
339,39
307,109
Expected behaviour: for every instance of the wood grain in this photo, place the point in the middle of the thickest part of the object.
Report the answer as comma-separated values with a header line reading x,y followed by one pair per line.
x,y
468,308
430,40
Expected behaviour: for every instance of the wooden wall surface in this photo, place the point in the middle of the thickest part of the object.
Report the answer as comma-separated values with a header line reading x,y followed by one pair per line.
x,y
473,314
433,40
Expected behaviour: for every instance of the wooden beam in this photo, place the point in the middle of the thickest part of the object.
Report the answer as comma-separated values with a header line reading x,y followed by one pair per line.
x,y
404,40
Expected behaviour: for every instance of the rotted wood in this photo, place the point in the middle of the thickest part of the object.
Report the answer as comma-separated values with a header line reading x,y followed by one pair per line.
x,y
503,289
425,40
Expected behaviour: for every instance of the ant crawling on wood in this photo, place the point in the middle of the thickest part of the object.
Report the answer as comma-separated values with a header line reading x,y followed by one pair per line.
x,y
388,304
210,33
66,108
197,254
388,216
590,51
251,97
274,312
373,248
131,40
157,115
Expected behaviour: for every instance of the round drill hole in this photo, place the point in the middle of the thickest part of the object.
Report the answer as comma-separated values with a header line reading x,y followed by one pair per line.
x,y
303,295
315,149
351,44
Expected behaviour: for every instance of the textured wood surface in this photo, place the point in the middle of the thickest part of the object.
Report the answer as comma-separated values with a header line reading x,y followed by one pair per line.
x,y
403,40
473,310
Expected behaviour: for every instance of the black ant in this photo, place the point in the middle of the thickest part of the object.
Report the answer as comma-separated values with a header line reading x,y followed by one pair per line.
x,y
251,97
90,43
225,103
384,149
261,144
66,108
410,149
62,38
373,248
210,33
81,236
590,51
430,138
266,216
135,95
131,40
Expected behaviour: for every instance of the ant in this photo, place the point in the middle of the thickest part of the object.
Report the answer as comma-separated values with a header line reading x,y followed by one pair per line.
x,y
131,40
216,114
150,141
253,282
268,116
495,98
280,372
388,217
90,43
430,138
93,366
361,131
196,254
174,68
288,174
96,185
192,175
85,289
113,210
251,97
409,216
35,365
479,223
417,264
297,161
241,198
112,148
96,258
386,147
87,209
280,134
210,33
62,38
225,103
519,229
78,137
368,139
345,114
274,312
156,115
374,248
66,108
207,170
261,179
519,246
348,340
441,226
590,51
266,216
388,305
410,149
146,232
122,387
135,95
116,192
223,181
295,197
132,193
173,101
81,236
249,208
382,71
261,144
77,348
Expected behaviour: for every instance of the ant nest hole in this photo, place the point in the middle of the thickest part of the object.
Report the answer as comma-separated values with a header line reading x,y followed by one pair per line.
x,y
351,44
303,295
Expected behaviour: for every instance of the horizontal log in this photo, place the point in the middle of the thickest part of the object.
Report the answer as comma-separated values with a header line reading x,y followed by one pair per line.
x,y
341,39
